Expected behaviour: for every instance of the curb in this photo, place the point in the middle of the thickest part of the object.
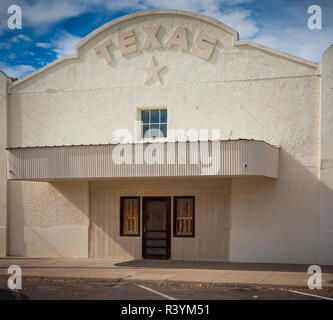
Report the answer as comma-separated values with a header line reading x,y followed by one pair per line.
x,y
178,283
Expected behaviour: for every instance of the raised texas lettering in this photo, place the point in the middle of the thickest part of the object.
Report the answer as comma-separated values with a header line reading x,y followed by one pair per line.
x,y
178,38
102,48
204,45
126,42
151,40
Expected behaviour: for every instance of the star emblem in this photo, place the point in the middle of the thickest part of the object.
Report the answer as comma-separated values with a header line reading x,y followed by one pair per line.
x,y
152,71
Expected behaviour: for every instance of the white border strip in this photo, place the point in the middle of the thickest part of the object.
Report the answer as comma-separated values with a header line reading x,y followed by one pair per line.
x,y
311,295
156,292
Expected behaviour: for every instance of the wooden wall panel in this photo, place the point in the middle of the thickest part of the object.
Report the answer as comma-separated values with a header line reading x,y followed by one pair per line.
x,y
211,241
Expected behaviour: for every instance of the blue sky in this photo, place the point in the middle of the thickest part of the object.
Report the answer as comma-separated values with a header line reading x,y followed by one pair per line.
x,y
51,28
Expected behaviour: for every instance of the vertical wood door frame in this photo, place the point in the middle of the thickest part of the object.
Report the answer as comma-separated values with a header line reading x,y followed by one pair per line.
x,y
90,234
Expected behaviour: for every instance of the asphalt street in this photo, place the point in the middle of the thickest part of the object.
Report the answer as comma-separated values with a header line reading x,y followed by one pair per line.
x,y
92,290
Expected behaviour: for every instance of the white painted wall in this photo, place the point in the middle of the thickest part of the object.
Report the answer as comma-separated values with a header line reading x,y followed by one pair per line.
x,y
275,221
48,219
3,164
87,99
325,250
245,90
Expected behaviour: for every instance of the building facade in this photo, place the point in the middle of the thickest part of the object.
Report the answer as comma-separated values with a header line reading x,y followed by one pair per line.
x,y
165,136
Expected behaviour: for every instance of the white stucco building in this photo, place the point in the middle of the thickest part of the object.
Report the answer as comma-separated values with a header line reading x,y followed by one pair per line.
x,y
165,136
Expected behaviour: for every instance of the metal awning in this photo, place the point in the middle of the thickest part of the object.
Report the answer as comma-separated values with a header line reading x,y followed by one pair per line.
x,y
161,159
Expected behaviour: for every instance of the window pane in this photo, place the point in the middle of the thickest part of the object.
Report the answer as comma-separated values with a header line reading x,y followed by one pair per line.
x,y
184,217
157,121
154,116
145,131
163,128
130,216
154,131
164,117
145,116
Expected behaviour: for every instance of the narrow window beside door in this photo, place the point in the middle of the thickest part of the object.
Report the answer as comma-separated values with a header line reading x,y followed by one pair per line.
x,y
183,216
130,216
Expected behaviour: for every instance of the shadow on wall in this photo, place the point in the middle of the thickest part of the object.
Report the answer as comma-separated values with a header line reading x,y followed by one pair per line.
x,y
47,219
16,243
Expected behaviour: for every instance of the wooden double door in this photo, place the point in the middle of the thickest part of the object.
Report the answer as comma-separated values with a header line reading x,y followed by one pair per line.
x,y
156,227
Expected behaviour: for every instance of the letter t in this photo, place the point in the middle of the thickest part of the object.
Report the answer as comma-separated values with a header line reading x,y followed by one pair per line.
x,y
103,49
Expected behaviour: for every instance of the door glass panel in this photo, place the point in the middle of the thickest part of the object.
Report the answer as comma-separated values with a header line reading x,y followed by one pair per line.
x,y
156,216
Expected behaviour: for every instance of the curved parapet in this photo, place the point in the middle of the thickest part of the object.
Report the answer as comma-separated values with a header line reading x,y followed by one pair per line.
x,y
180,18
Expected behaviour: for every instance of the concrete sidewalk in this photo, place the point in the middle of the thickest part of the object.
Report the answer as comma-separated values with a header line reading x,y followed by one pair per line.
x,y
282,275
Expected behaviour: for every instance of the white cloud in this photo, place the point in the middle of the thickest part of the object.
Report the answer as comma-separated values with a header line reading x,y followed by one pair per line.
x,y
5,45
65,44
50,11
302,42
240,20
237,18
12,56
42,13
41,62
43,45
47,12
287,31
121,5
18,71
21,37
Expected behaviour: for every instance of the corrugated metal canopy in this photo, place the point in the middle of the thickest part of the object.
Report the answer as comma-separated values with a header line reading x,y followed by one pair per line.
x,y
168,159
